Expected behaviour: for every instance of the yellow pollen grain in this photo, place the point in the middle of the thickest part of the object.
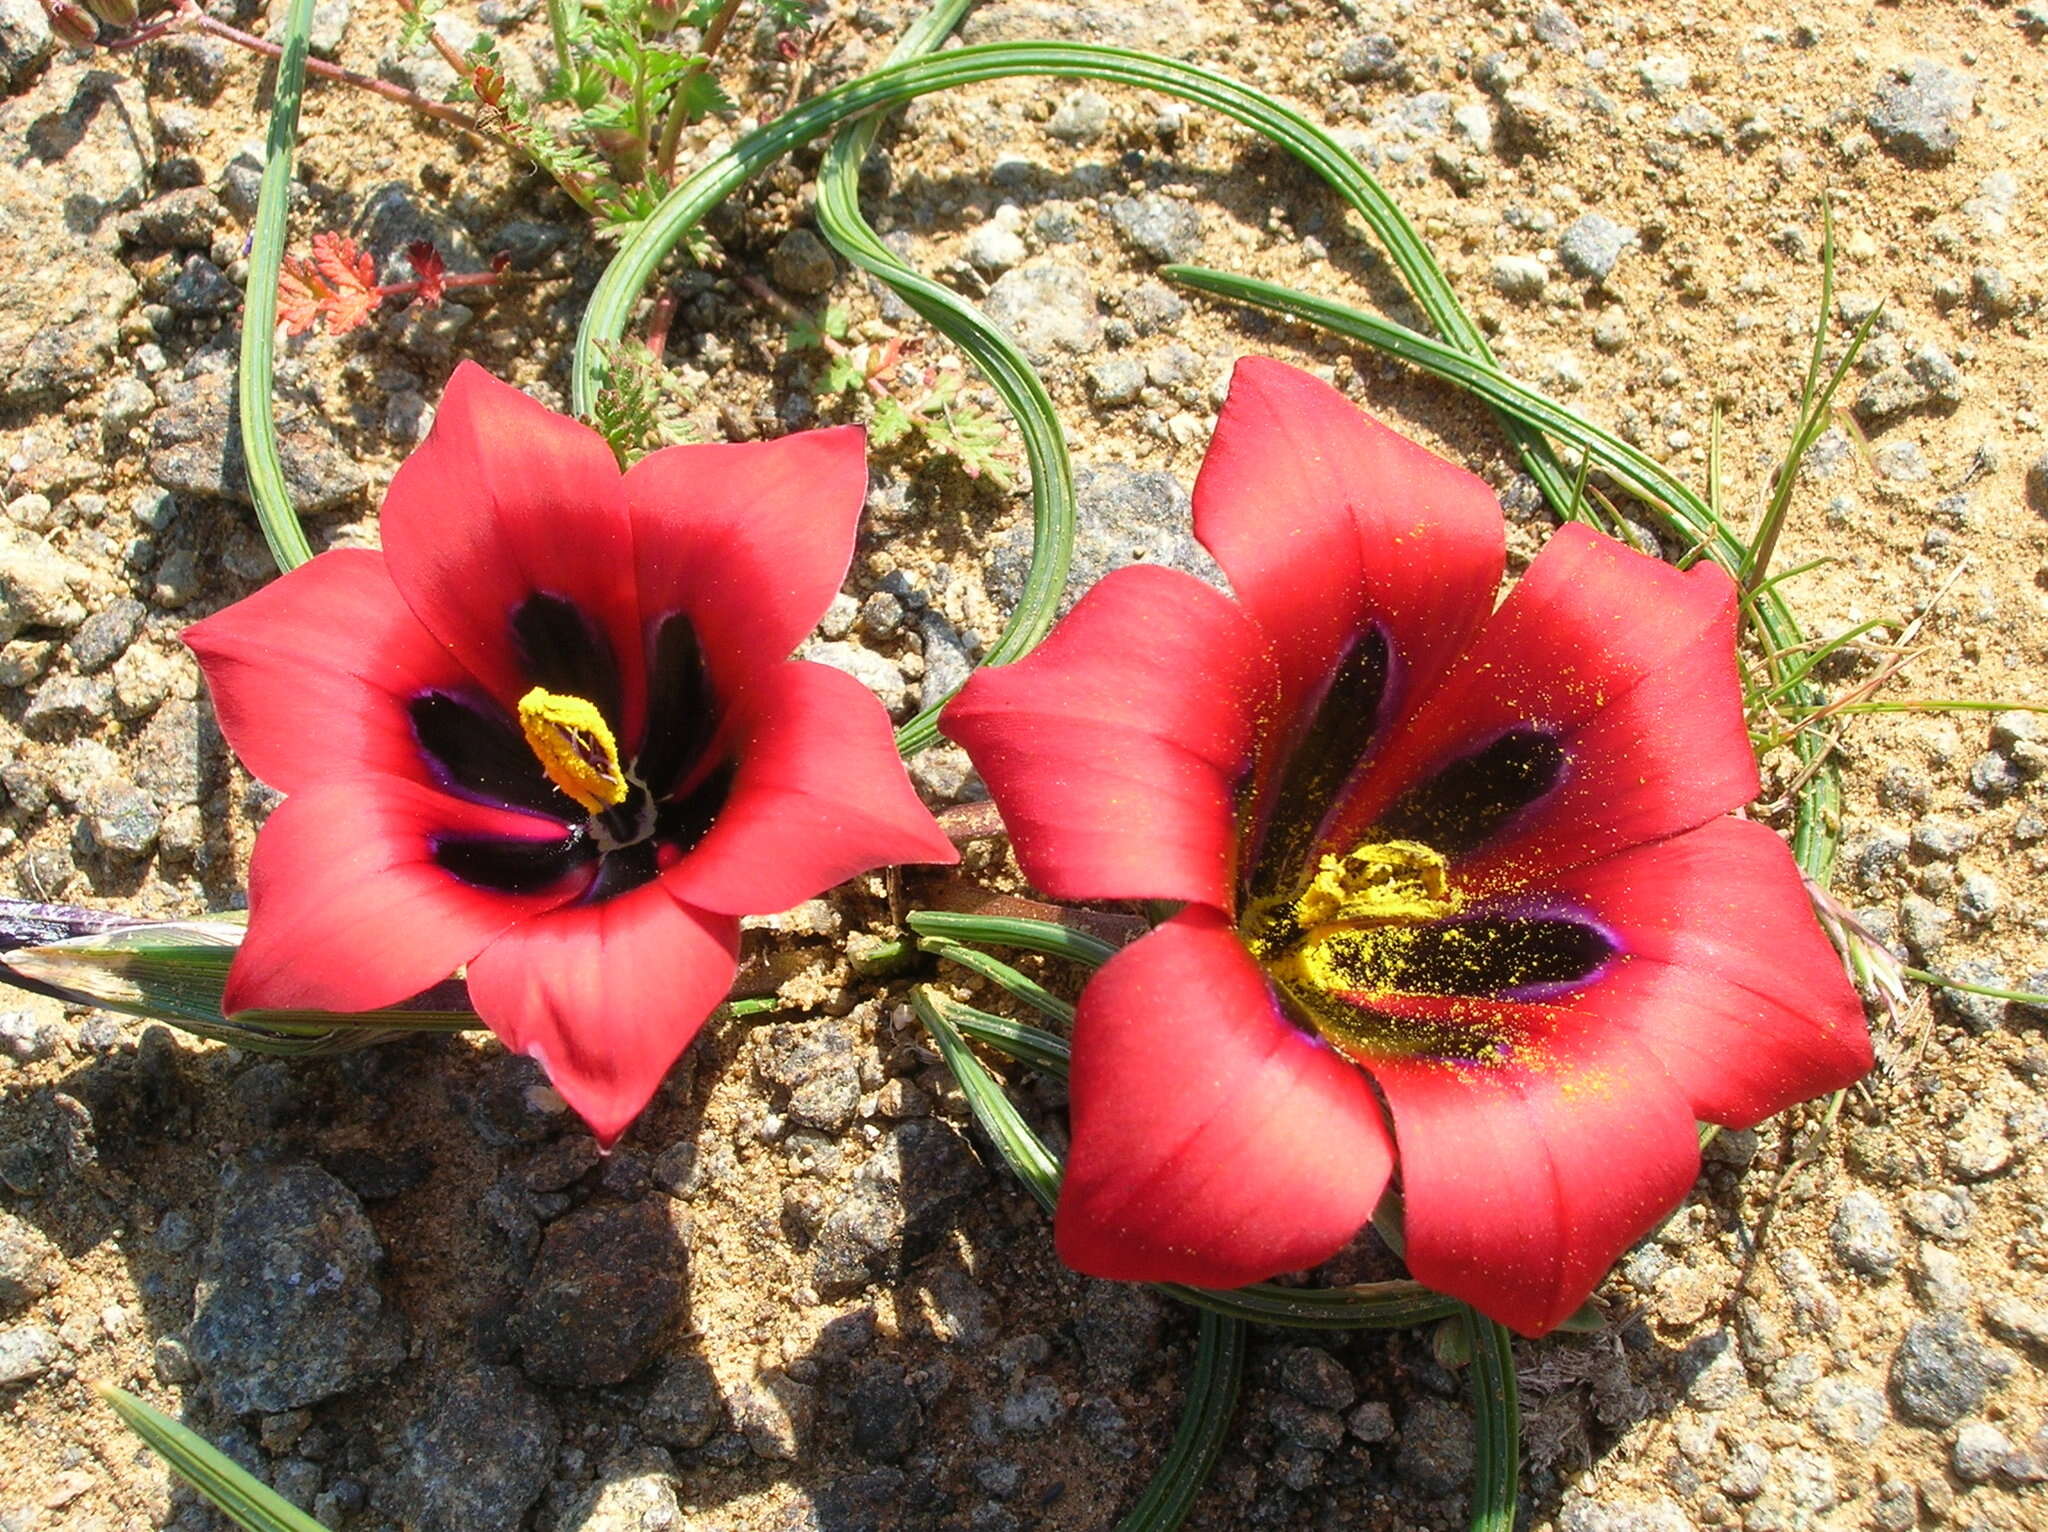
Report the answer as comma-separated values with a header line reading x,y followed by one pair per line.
x,y
574,745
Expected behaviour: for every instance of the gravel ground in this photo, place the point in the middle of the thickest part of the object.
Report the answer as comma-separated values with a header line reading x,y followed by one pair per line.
x,y
402,1285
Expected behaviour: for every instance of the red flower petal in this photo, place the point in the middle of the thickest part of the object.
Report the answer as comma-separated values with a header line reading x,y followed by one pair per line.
x,y
1745,1026
1215,1143
311,675
503,501
606,996
1116,747
1523,1180
1325,521
819,795
1626,663
348,910
751,539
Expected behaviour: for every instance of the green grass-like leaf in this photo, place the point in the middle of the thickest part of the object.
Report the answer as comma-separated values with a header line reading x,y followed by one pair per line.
x,y
1013,931
254,398
1496,1417
1220,1347
247,1501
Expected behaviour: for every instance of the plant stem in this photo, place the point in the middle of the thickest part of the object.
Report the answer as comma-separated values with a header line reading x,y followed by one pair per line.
x,y
672,126
189,18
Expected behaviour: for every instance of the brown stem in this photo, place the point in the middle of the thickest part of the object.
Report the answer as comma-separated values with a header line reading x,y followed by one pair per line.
x,y
659,319
199,21
672,127
964,822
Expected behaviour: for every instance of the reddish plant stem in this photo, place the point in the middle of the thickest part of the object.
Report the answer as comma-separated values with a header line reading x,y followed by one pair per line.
x,y
672,128
448,284
192,19
659,319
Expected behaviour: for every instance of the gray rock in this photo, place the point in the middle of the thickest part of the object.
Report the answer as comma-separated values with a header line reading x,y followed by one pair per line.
x,y
815,1070
103,636
1920,111
1518,276
202,288
190,66
1047,308
37,584
287,1311
1749,1466
1118,1328
1554,28
803,263
477,1457
1436,1451
29,1265
878,673
1080,117
1032,1407
122,820
1375,56
196,448
1165,228
1123,516
900,1205
2037,483
1592,245
942,774
635,1492
1864,1235
185,219
1848,1412
1315,1377
1943,1213
604,1291
774,1412
884,1417
1981,1450
26,1353
1153,308
1941,1372
947,662
685,1406
1607,1515
330,23
25,42
1118,380
1304,1424
996,246
1372,1421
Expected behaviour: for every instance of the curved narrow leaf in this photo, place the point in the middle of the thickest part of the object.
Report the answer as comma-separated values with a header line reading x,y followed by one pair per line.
x,y
246,1500
1220,1347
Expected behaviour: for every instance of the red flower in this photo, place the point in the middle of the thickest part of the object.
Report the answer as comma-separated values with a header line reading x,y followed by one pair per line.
x,y
1465,868
551,732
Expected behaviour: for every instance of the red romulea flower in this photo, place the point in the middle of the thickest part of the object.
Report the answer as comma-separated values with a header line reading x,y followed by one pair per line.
x,y
552,732
1457,882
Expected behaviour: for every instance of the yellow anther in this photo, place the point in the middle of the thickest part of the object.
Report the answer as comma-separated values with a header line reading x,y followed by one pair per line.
x,y
575,747
1395,880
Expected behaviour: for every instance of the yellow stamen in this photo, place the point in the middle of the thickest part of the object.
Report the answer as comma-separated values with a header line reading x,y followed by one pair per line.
x,y
575,747
1357,916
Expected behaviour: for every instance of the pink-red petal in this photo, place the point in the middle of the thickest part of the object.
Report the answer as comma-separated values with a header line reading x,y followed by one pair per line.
x,y
311,676
1327,521
1726,976
1629,665
1524,1178
504,501
1214,1142
1116,748
348,910
607,995
751,539
818,796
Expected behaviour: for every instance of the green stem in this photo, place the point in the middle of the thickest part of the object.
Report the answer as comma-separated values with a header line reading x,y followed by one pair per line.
x,y
1496,1469
1204,1422
255,402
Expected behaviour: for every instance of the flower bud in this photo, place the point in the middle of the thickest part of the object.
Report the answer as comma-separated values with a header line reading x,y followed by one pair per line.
x,y
72,24
115,13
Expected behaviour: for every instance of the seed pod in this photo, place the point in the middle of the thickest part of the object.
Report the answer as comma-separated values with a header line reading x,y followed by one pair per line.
x,y
73,25
119,14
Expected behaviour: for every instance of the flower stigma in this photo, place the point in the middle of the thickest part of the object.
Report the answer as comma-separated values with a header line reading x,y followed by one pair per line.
x,y
575,748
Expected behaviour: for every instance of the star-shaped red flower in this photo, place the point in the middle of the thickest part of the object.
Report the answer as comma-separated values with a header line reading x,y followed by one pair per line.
x,y
1463,905
552,732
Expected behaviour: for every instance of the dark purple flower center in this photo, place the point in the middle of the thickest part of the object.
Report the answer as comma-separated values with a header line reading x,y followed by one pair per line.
x,y
670,784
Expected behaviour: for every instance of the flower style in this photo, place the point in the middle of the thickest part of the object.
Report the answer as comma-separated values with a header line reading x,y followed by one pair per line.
x,y
1466,869
551,732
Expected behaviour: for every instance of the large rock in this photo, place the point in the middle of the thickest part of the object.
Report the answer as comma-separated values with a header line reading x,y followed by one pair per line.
x,y
287,1311
1920,111
25,41
604,1291
1122,516
901,1203
196,448
477,1457
1047,308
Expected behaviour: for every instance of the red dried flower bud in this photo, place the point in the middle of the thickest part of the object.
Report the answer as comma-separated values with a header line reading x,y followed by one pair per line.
x,y
119,14
73,25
